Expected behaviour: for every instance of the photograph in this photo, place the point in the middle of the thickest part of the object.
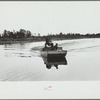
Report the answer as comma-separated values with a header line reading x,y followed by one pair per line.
x,y
49,41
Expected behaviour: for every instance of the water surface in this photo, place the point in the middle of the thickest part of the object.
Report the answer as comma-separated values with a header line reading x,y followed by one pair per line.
x,y
22,62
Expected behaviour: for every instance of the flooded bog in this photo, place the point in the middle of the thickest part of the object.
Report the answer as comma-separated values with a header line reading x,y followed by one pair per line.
x,y
23,62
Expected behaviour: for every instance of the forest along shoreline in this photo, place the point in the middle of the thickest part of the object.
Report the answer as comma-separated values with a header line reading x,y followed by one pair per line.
x,y
25,36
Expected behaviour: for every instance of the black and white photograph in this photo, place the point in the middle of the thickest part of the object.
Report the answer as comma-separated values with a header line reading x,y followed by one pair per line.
x,y
49,41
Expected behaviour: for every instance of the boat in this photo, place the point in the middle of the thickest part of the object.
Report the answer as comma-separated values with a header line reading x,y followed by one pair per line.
x,y
52,56
48,52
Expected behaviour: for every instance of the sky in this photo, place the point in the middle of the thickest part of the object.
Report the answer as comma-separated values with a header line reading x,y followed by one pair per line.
x,y
50,16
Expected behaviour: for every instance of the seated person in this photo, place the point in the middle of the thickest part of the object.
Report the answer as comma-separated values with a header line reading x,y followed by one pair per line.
x,y
48,43
56,46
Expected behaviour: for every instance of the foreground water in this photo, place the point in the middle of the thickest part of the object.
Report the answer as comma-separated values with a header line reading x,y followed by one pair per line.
x,y
22,62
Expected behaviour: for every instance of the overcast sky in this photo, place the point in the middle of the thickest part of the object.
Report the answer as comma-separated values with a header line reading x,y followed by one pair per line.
x,y
50,17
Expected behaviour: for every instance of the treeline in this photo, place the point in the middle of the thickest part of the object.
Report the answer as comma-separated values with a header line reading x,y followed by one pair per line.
x,y
23,34
16,34
72,35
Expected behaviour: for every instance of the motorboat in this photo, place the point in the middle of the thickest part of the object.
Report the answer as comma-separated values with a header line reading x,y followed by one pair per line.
x,y
49,52
54,56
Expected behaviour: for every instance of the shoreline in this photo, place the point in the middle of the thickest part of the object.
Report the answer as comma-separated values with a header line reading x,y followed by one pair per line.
x,y
17,41
10,41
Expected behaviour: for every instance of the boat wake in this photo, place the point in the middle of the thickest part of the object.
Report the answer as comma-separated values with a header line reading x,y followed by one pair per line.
x,y
79,45
33,50
38,48
27,53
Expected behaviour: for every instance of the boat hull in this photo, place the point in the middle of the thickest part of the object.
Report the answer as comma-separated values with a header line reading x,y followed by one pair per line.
x,y
54,53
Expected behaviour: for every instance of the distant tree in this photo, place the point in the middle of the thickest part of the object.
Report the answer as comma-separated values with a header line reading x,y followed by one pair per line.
x,y
22,33
60,33
5,34
0,36
18,34
39,34
11,35
29,34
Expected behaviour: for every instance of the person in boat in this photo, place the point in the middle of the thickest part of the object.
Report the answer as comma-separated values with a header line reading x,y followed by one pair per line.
x,y
56,46
49,44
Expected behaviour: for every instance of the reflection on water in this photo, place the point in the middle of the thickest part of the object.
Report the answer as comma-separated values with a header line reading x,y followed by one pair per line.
x,y
19,50
19,46
54,61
